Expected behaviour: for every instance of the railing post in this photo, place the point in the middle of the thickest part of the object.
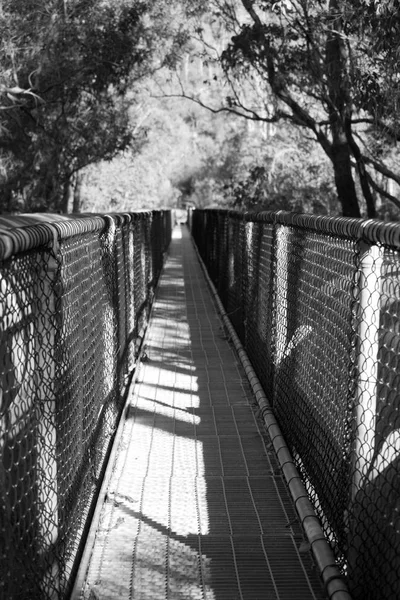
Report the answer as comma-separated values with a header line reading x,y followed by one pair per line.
x,y
368,294
368,297
281,291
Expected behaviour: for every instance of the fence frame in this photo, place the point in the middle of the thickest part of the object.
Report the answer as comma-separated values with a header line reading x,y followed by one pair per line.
x,y
368,238
27,234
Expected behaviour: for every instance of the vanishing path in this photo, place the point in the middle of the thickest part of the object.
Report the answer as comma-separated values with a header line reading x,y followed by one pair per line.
x,y
196,506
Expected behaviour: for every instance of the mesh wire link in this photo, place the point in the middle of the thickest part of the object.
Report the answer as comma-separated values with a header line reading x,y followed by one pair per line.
x,y
73,298
316,303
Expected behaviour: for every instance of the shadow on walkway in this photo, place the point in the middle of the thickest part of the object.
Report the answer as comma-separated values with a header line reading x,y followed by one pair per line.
x,y
196,507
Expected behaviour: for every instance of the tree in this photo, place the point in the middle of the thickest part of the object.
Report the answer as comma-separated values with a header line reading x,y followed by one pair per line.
x,y
323,67
69,79
290,174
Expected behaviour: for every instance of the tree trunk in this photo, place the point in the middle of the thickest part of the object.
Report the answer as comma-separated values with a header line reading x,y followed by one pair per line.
x,y
345,186
76,207
339,110
362,174
366,188
67,192
6,203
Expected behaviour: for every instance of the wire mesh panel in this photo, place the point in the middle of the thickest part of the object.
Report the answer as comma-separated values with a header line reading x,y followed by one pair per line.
x,y
28,471
86,385
374,532
312,387
236,275
316,303
140,273
69,294
258,295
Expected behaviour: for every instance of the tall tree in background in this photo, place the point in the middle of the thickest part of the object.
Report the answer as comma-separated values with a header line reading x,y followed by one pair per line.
x,y
68,83
330,68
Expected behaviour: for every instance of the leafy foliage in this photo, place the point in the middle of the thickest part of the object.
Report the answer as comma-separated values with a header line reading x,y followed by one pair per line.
x,y
290,175
94,82
70,71
326,68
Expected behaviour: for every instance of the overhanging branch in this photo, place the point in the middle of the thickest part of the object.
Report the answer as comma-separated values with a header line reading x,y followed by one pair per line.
x,y
383,192
251,116
381,168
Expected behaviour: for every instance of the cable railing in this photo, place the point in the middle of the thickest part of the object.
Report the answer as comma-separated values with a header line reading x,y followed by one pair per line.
x,y
315,302
75,295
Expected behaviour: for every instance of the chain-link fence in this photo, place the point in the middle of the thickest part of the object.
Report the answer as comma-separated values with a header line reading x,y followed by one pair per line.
x,y
75,296
316,304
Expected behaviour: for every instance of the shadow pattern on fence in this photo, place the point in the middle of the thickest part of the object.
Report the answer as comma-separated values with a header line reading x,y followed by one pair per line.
x,y
75,296
315,302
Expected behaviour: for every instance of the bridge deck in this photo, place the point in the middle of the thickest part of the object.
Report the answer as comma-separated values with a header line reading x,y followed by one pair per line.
x,y
196,506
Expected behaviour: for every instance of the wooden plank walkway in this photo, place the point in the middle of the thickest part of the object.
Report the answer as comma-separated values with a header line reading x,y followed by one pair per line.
x,y
196,506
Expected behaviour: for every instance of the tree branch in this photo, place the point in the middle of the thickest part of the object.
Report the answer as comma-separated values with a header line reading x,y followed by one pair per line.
x,y
248,5
279,88
352,121
362,171
381,168
253,116
383,192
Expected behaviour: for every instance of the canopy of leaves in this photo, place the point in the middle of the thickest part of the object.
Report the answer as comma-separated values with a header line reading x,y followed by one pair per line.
x,y
328,67
68,79
75,92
